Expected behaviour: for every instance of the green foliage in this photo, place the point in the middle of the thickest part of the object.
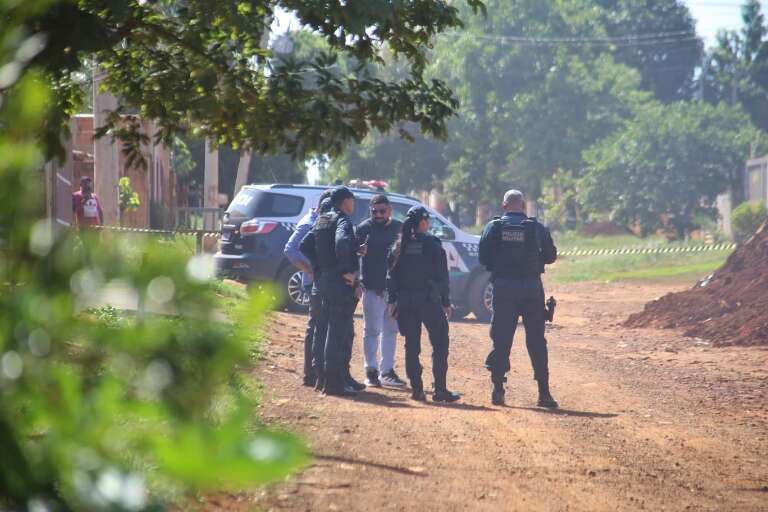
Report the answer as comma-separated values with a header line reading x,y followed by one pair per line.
x,y
99,411
666,66
747,219
129,200
667,165
560,201
206,64
529,110
737,67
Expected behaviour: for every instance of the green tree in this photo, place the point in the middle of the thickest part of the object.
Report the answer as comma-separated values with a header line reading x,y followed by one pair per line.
x,y
668,165
666,64
737,67
203,64
527,108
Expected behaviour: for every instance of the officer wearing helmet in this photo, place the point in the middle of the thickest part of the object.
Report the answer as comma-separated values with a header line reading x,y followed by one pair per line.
x,y
332,247
514,248
418,294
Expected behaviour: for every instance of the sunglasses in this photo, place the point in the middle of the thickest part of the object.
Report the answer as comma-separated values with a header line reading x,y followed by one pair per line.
x,y
379,211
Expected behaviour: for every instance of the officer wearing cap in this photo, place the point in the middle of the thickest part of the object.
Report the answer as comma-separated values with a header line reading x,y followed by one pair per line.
x,y
514,248
418,294
335,253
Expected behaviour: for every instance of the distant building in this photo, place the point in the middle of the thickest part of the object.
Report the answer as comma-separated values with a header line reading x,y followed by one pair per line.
x,y
756,180
155,185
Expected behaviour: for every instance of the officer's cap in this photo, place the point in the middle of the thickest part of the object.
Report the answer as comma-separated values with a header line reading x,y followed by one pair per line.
x,y
325,205
417,213
513,195
341,193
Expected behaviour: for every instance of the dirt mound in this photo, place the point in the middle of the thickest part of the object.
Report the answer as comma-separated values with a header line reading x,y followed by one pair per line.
x,y
605,228
728,308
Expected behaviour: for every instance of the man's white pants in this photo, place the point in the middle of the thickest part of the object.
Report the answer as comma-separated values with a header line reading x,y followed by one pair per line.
x,y
379,330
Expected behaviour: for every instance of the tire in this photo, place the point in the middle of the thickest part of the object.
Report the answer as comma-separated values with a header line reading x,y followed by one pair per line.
x,y
289,280
480,299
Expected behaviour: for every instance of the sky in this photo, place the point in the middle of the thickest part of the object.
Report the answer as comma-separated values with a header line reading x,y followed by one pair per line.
x,y
712,15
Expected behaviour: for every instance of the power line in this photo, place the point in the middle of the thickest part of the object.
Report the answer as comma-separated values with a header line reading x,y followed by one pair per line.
x,y
633,40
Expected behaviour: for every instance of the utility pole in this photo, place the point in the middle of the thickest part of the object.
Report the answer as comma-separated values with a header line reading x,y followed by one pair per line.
x,y
106,156
243,166
211,184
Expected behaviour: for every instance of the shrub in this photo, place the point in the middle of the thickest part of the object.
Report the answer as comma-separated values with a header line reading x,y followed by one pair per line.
x,y
747,219
100,412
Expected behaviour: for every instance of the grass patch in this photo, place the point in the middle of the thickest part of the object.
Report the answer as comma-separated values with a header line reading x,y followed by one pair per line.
x,y
637,267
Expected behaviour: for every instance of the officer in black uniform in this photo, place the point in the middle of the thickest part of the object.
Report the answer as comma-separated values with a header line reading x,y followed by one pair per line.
x,y
336,256
418,293
316,310
515,248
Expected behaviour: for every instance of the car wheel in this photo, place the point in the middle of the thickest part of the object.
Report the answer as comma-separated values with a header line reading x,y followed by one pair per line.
x,y
296,299
481,299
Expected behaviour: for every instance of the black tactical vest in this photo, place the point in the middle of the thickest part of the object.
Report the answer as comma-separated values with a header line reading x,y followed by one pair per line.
x,y
415,268
325,240
516,249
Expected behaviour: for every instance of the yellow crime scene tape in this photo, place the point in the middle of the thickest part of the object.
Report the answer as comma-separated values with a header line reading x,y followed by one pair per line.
x,y
649,250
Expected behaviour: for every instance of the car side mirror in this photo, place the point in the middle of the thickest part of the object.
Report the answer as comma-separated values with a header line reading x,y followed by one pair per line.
x,y
445,233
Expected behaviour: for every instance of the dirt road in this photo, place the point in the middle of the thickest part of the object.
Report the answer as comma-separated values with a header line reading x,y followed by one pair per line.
x,y
649,420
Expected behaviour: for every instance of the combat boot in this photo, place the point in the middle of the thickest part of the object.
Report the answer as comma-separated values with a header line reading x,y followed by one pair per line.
x,y
497,395
336,386
352,383
445,396
545,397
419,395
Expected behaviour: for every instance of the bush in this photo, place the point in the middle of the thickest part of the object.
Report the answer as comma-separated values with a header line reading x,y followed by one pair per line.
x,y
747,219
103,412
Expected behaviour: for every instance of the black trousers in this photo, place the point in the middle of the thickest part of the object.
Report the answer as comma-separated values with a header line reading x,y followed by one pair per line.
x,y
512,299
315,325
411,314
337,307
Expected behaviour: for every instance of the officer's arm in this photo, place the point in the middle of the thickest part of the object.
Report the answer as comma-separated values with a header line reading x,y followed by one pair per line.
x,y
548,249
346,246
484,250
292,249
308,249
443,280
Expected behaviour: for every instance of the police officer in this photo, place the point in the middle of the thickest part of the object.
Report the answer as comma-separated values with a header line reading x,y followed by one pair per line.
x,y
418,293
515,248
293,253
335,252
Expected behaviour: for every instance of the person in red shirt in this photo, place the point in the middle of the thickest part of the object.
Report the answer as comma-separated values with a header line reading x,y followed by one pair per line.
x,y
86,207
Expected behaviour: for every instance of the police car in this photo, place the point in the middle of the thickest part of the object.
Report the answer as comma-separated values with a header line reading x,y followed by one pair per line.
x,y
261,218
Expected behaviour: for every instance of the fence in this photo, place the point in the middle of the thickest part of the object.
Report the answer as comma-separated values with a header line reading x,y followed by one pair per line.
x,y
189,218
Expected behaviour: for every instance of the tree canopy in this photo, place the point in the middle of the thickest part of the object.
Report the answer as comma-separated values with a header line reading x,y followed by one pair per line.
x,y
668,165
208,64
